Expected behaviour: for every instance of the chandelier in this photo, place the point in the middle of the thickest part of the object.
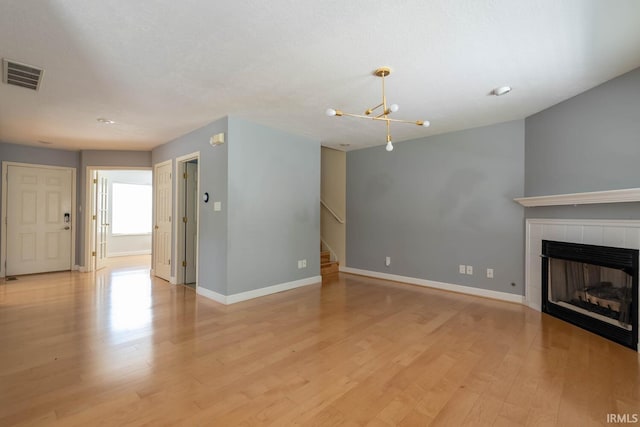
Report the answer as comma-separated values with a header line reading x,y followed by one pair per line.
x,y
383,111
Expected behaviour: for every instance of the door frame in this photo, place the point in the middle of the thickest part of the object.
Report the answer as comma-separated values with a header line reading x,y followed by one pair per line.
x,y
179,213
3,225
89,225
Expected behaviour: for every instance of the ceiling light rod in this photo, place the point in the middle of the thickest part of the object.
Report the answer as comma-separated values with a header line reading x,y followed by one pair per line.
x,y
381,72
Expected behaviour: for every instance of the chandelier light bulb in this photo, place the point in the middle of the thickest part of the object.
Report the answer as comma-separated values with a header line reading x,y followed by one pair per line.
x,y
393,108
389,146
426,123
330,112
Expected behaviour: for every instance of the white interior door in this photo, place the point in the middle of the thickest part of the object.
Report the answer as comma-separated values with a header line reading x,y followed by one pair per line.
x,y
39,203
191,226
102,220
162,228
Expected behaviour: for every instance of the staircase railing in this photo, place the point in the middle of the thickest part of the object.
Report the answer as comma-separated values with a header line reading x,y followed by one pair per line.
x,y
331,211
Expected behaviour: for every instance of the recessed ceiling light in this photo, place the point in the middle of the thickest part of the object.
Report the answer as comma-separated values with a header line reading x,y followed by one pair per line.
x,y
502,90
105,121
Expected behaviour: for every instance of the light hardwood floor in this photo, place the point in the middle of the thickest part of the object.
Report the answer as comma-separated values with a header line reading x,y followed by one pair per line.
x,y
119,348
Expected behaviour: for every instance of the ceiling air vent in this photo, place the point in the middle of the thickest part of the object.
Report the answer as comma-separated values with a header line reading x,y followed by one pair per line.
x,y
23,75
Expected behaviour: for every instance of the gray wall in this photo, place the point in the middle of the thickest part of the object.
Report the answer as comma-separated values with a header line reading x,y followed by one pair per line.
x,y
274,206
438,202
590,142
268,183
212,240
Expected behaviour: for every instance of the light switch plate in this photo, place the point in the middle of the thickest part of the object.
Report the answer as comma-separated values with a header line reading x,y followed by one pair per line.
x,y
217,206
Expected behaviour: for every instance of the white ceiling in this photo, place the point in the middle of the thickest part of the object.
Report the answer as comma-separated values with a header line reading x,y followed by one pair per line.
x,y
163,68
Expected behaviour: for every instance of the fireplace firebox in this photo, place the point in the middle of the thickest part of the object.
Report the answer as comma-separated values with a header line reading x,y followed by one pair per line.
x,y
593,287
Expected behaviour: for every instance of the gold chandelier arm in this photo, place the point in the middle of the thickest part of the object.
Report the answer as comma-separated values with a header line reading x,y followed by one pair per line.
x,y
384,119
371,110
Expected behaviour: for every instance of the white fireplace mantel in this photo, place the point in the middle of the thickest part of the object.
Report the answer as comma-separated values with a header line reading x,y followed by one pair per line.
x,y
608,196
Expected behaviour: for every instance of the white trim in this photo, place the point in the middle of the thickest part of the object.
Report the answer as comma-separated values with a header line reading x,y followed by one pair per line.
x,y
172,280
244,296
485,293
607,222
3,223
129,253
332,253
608,196
211,295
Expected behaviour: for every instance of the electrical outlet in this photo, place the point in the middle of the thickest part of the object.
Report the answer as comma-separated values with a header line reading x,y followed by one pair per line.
x,y
469,270
490,273
387,261
299,263
304,263
462,269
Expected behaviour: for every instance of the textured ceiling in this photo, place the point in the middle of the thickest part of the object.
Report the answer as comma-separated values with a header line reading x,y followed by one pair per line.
x,y
162,68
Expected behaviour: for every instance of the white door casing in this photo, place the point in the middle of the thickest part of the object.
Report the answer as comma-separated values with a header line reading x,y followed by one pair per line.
x,y
39,218
162,228
191,207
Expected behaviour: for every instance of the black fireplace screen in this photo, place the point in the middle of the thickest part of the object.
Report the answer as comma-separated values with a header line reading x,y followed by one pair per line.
x,y
603,292
594,287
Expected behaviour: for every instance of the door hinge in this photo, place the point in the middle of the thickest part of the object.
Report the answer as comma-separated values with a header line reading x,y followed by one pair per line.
x,y
184,175
169,262
93,253
184,263
93,217
169,218
184,219
95,181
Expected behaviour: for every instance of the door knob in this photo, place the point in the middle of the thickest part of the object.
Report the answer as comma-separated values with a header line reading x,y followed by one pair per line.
x,y
67,227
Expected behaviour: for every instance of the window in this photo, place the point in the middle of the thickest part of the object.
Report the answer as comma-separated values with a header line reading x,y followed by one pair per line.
x,y
131,211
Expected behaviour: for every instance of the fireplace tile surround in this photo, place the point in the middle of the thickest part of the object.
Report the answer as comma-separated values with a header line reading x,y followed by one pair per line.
x,y
614,233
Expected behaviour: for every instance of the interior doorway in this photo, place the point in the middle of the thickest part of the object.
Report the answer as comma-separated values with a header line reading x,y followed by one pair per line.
x,y
187,190
119,223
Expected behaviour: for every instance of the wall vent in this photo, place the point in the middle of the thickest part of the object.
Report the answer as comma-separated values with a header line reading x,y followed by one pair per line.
x,y
23,75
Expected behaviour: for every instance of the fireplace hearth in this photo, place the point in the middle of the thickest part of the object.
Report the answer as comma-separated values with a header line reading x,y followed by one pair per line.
x,y
593,287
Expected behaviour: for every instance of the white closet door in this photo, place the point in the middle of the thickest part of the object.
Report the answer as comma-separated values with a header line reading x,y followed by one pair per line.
x,y
162,228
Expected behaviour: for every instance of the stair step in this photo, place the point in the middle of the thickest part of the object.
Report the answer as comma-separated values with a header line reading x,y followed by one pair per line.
x,y
325,256
329,267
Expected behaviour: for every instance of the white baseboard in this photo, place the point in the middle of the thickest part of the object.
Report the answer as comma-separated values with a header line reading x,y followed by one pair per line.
x,y
222,299
80,268
173,280
502,296
244,296
129,253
